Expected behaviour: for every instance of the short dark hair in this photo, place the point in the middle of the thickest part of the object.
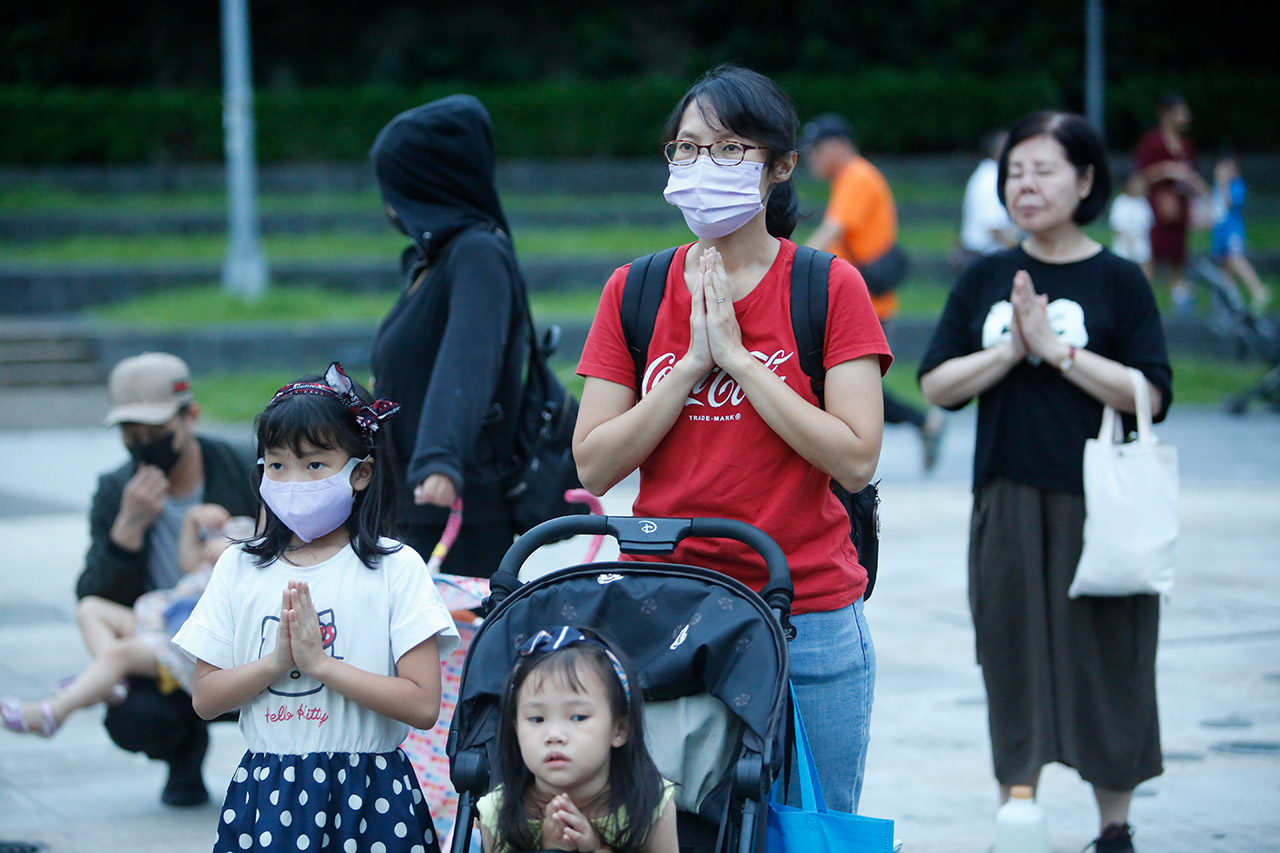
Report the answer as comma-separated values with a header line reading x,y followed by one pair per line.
x,y
826,126
1083,146
748,103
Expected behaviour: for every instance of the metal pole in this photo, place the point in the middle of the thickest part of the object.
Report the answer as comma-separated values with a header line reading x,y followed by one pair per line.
x,y
244,270
1094,82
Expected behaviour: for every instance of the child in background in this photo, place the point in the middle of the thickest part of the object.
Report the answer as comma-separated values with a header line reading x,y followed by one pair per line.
x,y
1226,241
325,634
1131,220
573,768
135,640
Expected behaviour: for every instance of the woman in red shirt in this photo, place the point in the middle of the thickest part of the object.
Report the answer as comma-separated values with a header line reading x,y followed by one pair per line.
x,y
725,423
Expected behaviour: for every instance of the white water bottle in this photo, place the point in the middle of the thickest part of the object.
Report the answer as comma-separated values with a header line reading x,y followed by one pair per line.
x,y
1020,824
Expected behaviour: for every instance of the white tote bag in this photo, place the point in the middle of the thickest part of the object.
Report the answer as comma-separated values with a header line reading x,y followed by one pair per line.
x,y
1131,508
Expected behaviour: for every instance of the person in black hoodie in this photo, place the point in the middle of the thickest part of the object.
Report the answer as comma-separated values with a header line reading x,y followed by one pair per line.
x,y
451,350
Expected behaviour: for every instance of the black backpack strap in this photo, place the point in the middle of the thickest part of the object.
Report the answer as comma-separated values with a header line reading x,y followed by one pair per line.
x,y
641,295
809,272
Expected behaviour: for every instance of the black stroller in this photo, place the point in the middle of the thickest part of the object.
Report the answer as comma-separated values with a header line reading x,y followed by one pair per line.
x,y
1254,336
710,654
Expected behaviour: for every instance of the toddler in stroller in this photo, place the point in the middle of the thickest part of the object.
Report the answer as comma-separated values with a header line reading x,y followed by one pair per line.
x,y
574,770
709,658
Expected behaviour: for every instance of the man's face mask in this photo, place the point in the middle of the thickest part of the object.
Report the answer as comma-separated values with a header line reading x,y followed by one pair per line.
x,y
158,452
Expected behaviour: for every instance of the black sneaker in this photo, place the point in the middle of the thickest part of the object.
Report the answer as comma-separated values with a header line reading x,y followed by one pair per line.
x,y
185,786
1116,838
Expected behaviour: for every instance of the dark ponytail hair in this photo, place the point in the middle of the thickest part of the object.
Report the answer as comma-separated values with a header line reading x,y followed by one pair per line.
x,y
748,103
325,422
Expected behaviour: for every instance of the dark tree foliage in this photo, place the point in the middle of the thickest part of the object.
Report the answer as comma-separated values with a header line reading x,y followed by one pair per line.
x,y
129,43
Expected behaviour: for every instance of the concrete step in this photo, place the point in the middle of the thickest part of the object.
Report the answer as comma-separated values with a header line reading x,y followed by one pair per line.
x,y
48,352
18,352
56,226
50,373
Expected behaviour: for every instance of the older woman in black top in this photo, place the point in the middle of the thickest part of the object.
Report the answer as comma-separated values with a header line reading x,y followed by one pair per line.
x,y
1042,334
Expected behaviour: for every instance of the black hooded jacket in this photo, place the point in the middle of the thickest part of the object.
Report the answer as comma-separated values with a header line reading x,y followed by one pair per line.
x,y
451,351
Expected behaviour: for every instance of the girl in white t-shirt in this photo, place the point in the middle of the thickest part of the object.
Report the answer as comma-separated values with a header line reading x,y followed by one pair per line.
x,y
326,636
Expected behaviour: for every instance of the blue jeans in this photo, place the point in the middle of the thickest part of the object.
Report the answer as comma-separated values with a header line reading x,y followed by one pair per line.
x,y
833,669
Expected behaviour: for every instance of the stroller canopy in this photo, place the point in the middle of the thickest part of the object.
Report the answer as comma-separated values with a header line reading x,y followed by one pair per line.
x,y
687,630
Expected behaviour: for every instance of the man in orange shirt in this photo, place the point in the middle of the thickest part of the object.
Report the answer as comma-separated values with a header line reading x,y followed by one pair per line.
x,y
861,226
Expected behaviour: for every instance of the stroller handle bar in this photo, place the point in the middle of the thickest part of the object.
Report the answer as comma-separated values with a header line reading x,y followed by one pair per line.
x,y
648,536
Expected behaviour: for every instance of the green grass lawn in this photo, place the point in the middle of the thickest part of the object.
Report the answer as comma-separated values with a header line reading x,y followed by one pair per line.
x,y
1196,380
209,305
620,241
237,397
623,242
928,229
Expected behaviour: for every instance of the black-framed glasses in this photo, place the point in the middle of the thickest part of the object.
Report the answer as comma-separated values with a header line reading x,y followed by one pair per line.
x,y
726,152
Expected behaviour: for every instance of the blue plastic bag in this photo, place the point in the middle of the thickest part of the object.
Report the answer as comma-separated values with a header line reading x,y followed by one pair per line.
x,y
811,828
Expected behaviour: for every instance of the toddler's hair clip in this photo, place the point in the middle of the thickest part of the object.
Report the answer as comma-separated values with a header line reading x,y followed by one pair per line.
x,y
339,386
544,642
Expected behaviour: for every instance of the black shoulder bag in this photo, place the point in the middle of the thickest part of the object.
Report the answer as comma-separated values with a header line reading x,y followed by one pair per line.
x,y
542,468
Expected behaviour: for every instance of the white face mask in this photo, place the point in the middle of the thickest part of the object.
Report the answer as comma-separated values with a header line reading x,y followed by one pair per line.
x,y
715,200
312,508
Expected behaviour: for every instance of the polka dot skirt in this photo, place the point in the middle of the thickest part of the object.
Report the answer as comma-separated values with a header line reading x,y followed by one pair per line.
x,y
325,802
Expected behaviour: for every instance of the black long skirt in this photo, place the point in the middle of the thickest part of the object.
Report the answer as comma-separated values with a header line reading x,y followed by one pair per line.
x,y
1068,680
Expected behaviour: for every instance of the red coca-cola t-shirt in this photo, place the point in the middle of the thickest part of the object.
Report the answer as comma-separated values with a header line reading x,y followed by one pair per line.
x,y
720,459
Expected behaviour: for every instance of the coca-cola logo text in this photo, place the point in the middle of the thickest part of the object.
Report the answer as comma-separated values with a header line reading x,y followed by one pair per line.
x,y
717,389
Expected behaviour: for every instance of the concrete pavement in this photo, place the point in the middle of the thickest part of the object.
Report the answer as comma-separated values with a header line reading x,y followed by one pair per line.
x,y
929,765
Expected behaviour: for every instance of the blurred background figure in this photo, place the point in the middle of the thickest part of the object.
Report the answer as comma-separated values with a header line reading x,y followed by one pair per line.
x,y
861,226
1227,241
985,226
1166,159
135,524
1131,219
127,641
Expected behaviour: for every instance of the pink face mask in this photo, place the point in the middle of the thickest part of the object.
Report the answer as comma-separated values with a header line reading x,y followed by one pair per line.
x,y
715,200
315,507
